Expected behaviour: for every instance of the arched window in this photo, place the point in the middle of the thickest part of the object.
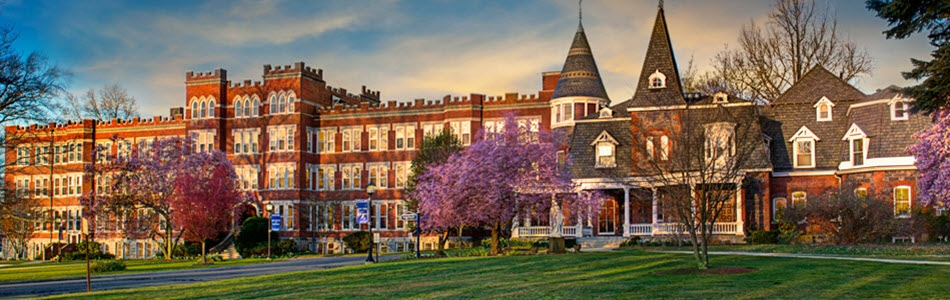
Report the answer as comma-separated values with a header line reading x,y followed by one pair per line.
x,y
273,104
238,108
194,108
657,80
247,107
255,107
211,108
204,109
290,103
281,104
649,147
664,148
824,112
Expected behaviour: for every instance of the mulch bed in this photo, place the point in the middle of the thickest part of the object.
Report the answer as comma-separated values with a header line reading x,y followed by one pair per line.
x,y
720,270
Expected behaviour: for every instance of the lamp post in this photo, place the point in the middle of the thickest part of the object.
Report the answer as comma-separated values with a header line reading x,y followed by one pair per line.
x,y
59,240
270,208
370,189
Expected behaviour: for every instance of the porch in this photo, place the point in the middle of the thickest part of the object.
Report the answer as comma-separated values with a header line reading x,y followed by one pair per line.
x,y
631,212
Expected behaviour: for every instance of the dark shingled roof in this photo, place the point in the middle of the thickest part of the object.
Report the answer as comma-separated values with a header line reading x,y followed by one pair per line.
x,y
659,57
582,153
888,138
580,76
795,108
817,83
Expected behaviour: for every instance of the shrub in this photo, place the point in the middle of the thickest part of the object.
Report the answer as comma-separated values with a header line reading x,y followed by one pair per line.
x,y
631,242
95,252
253,235
763,237
941,227
187,249
569,243
286,246
111,265
358,241
851,219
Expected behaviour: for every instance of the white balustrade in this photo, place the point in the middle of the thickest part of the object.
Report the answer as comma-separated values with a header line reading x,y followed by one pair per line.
x,y
641,229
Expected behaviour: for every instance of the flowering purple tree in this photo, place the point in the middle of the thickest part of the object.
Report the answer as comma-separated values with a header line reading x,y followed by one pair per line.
x,y
505,174
932,153
205,197
138,189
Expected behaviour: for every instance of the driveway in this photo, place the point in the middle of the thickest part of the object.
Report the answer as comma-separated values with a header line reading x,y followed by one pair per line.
x,y
111,282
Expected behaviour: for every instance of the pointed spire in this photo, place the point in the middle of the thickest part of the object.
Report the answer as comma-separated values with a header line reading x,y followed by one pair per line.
x,y
580,76
580,15
659,63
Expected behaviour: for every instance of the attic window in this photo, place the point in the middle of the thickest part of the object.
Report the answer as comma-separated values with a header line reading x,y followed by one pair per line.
x,y
721,97
823,109
605,151
898,110
803,148
657,80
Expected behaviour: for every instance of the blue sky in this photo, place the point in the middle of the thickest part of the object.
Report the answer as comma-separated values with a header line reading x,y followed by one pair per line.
x,y
406,49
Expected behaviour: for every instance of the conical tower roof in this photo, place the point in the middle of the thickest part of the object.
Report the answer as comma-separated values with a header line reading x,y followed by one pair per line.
x,y
659,59
580,76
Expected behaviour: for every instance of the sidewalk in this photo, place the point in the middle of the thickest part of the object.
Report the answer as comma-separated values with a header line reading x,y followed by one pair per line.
x,y
816,256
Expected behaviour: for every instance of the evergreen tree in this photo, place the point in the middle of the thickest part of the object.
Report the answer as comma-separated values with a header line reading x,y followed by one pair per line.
x,y
907,17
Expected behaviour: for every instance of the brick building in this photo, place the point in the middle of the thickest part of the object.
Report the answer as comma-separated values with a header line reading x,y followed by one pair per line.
x,y
309,149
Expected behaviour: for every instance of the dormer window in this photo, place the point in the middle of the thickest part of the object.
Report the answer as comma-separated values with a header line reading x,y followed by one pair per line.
x,y
899,110
606,113
803,148
605,151
657,80
823,109
721,98
858,145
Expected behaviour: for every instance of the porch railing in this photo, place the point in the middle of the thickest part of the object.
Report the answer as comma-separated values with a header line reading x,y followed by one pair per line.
x,y
646,229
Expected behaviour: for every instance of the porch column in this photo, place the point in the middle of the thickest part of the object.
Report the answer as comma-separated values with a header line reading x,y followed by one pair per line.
x,y
655,213
626,212
514,227
740,228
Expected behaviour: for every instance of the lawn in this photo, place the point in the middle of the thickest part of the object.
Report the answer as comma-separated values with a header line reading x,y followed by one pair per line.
x,y
77,269
617,274
937,252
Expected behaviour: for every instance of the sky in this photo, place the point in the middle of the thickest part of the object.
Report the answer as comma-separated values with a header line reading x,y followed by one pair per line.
x,y
405,49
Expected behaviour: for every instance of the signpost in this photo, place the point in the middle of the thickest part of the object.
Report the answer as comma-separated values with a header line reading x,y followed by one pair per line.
x,y
275,222
408,217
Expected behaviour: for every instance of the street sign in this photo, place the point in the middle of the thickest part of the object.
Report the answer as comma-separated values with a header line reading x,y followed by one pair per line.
x,y
362,211
409,217
275,222
376,236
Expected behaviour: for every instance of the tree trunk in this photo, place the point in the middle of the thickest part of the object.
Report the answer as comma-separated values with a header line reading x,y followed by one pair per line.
x,y
494,239
168,242
460,236
204,255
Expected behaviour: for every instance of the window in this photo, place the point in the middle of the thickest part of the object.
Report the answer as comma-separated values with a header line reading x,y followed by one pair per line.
x,y
657,80
902,202
238,107
720,142
373,139
402,174
194,108
462,130
778,204
23,155
379,175
405,137
211,108
204,109
605,155
721,98
255,107
325,139
799,198
861,193
804,154
899,110
823,109
202,140
432,129
351,177
400,209
282,138
649,148
562,112
664,148
349,217
325,177
857,152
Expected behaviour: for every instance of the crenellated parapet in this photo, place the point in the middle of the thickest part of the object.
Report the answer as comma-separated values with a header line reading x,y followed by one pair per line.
x,y
298,68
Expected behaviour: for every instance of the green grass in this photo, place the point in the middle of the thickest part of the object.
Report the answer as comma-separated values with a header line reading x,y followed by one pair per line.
x,y
77,269
618,274
936,252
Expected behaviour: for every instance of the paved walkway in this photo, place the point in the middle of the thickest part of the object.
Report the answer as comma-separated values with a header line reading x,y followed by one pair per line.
x,y
134,280
815,256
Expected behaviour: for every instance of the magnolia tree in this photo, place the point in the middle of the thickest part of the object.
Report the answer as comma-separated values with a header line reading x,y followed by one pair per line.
x,y
505,174
137,188
932,153
205,197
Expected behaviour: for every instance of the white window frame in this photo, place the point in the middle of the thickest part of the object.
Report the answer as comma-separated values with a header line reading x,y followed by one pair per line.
x,y
824,102
775,207
657,75
893,109
799,195
804,135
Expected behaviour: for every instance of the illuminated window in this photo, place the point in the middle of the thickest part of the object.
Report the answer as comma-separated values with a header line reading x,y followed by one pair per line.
x,y
902,202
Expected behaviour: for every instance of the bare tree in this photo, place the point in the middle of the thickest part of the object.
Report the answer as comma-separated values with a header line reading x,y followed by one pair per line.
x,y
695,161
19,215
109,102
797,37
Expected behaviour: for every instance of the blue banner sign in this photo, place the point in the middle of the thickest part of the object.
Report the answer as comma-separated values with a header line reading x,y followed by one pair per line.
x,y
275,222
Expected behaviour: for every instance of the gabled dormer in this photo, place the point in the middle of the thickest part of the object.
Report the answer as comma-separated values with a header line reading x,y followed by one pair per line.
x,y
824,109
606,113
899,108
803,148
605,150
857,145
657,80
721,98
